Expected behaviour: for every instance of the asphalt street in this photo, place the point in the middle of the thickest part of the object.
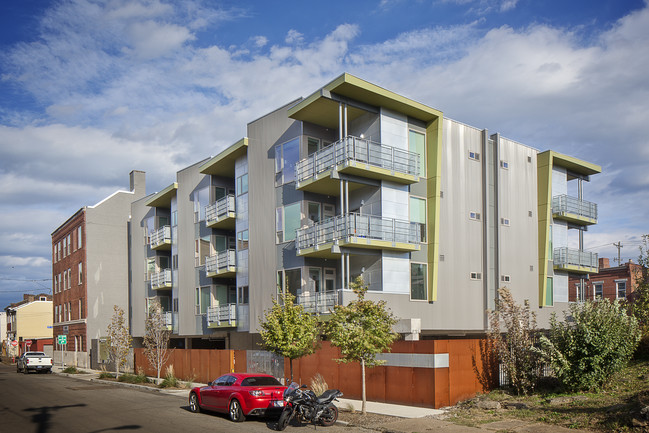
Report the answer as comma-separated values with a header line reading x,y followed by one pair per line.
x,y
48,403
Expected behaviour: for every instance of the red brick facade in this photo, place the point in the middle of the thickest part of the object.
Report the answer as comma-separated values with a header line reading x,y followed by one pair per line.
x,y
616,282
69,275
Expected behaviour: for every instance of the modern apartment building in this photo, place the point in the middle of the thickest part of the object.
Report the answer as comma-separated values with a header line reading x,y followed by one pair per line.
x,y
90,273
356,180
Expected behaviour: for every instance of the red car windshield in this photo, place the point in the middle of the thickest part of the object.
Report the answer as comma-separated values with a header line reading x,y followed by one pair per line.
x,y
260,381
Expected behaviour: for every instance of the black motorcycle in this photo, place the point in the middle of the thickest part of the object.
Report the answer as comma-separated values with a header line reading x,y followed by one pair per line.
x,y
306,406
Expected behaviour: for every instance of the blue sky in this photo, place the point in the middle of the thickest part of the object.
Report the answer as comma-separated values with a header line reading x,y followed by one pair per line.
x,y
90,90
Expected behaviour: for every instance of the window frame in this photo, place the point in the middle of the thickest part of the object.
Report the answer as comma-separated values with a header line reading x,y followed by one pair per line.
x,y
425,281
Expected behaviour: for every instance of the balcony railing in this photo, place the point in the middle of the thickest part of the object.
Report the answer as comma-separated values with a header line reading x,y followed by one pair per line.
x,y
361,230
358,150
167,316
575,260
321,302
224,208
222,315
161,237
573,208
161,280
221,262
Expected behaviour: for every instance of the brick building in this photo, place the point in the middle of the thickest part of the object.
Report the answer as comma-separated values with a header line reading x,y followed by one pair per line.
x,y
611,282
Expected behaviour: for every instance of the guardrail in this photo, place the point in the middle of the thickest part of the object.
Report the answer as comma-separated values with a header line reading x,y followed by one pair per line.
x,y
571,257
222,208
220,261
222,314
567,204
161,236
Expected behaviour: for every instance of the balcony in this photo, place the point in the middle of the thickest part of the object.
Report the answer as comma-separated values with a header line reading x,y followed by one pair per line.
x,y
325,238
222,265
321,302
168,321
161,239
222,316
161,280
571,260
221,215
357,157
573,210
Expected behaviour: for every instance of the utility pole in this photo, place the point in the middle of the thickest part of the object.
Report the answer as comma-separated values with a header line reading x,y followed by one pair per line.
x,y
619,246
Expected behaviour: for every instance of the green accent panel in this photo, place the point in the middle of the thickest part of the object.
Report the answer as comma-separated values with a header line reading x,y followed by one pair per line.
x,y
433,188
549,292
544,189
223,163
573,164
163,198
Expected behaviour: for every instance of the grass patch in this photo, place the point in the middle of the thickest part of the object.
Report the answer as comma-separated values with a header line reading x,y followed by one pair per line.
x,y
614,408
73,370
106,375
170,380
133,378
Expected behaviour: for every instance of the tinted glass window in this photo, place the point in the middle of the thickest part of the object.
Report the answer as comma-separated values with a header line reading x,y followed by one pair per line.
x,y
260,381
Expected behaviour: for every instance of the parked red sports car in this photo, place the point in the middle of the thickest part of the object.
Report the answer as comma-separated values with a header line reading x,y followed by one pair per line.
x,y
239,395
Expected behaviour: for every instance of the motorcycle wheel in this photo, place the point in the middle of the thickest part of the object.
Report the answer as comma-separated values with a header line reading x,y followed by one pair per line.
x,y
329,416
284,418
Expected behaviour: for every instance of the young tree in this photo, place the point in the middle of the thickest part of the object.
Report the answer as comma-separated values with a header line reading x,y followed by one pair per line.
x,y
288,330
119,339
640,299
361,330
515,345
156,338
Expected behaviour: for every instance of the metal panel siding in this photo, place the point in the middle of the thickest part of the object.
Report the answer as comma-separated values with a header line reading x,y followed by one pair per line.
x,y
461,239
394,129
395,268
263,135
517,196
137,255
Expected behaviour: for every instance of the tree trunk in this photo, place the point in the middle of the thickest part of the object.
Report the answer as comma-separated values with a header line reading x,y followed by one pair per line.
x,y
363,410
290,363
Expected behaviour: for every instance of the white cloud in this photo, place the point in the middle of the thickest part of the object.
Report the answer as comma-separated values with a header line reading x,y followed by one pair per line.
x,y
260,41
151,39
294,37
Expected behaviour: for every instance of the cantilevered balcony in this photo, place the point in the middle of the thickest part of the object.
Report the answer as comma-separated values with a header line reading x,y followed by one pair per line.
x,y
222,316
572,260
222,264
161,280
325,238
357,157
573,210
161,239
321,302
168,321
221,215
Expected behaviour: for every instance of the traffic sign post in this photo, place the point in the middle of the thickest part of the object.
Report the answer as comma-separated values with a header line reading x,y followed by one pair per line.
x,y
63,339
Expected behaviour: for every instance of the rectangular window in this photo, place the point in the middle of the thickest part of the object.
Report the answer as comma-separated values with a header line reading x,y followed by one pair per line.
x,y
504,164
313,145
313,212
69,278
474,156
60,286
418,214
549,292
59,251
418,286
201,200
242,240
417,144
476,276
80,310
242,184
65,246
202,250
243,297
69,243
330,279
65,280
288,220
79,237
505,278
504,221
621,289
80,273
174,261
598,288
550,244
286,156
202,299
474,216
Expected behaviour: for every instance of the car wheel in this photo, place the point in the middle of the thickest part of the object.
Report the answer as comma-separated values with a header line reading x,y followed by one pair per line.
x,y
193,403
236,413
329,416
25,371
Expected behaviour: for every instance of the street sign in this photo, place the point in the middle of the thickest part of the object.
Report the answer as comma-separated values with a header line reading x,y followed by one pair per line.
x,y
66,329
28,343
14,343
63,339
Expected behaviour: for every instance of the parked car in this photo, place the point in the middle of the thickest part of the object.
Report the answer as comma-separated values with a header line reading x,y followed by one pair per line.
x,y
240,395
36,361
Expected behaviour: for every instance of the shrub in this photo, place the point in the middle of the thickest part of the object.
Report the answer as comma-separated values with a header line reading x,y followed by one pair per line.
x,y
595,340
71,370
170,380
106,375
515,347
318,384
140,377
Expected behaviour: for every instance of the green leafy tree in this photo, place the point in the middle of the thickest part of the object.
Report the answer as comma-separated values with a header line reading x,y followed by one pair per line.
x,y
361,330
288,330
119,339
514,346
640,299
595,340
156,337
